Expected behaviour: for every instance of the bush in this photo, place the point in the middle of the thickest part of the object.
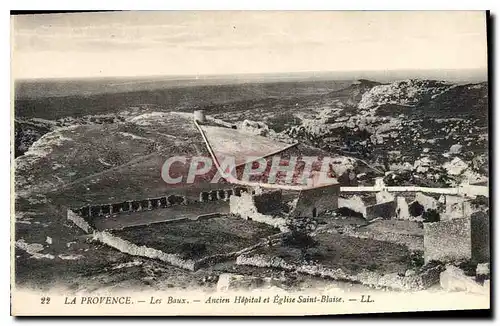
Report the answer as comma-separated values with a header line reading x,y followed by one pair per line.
x,y
479,201
416,260
298,236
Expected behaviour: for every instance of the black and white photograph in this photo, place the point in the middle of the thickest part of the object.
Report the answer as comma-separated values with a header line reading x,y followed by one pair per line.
x,y
249,162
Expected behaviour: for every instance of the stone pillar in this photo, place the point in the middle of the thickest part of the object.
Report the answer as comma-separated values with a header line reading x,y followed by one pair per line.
x,y
199,116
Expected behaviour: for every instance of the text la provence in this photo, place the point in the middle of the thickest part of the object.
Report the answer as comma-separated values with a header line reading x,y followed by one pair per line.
x,y
111,300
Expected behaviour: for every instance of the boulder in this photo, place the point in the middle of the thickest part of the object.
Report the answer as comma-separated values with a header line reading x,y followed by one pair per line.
x,y
231,282
254,128
455,167
483,269
454,279
455,149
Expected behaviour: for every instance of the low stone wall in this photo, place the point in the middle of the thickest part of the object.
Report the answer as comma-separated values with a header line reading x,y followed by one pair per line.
x,y
212,260
218,194
84,216
421,280
91,211
79,221
143,251
244,206
412,242
174,259
131,206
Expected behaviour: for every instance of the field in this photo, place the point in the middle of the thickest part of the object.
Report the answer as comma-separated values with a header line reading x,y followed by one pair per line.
x,y
214,236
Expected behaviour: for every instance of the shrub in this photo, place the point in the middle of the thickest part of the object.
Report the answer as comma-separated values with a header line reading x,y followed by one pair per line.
x,y
298,236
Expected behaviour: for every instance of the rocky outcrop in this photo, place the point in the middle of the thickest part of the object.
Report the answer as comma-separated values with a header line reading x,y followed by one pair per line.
x,y
406,92
454,279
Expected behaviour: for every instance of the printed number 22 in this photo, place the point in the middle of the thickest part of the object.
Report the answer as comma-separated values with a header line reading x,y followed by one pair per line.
x,y
45,300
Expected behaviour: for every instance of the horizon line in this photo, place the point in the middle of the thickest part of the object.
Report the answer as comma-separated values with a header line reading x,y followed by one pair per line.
x,y
238,75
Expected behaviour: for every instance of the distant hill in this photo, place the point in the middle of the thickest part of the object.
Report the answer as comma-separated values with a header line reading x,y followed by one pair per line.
x,y
56,103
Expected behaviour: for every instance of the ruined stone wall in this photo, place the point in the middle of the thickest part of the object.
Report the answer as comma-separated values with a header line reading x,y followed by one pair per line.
x,y
480,237
268,202
313,202
89,212
220,194
135,250
402,210
385,210
456,207
428,202
244,206
448,240
383,197
79,221
173,259
458,239
354,203
421,280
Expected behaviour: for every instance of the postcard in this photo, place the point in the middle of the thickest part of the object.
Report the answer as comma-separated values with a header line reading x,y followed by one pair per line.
x,y
250,163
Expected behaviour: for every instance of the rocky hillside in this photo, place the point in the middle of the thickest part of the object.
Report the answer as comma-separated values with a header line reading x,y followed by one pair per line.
x,y
391,126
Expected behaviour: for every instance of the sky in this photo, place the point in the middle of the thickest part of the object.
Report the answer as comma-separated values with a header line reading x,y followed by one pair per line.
x,y
211,43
